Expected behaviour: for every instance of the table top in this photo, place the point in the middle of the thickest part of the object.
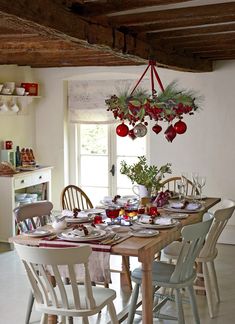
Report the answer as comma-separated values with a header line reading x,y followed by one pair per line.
x,y
140,247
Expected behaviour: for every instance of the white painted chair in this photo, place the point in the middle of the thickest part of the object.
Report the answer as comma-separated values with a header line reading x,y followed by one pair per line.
x,y
181,275
208,253
28,217
64,300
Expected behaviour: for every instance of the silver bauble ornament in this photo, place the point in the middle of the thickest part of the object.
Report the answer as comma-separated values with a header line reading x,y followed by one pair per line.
x,y
140,130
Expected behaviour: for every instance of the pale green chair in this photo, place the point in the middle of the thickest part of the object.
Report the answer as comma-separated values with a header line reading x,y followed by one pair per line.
x,y
222,212
181,275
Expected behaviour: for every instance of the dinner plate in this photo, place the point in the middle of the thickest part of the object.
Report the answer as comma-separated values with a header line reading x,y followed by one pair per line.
x,y
183,210
37,233
95,235
83,219
197,197
144,232
93,211
163,222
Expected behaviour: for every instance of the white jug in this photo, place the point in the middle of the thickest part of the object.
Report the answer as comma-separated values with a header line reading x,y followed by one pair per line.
x,y
141,191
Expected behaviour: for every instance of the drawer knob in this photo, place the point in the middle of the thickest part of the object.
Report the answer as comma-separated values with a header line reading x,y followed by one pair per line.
x,y
40,177
22,181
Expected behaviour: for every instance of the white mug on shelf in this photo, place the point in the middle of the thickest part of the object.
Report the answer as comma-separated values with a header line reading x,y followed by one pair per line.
x,y
141,191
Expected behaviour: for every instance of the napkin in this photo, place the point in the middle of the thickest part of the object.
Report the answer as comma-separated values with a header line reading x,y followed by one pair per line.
x,y
163,221
69,213
193,206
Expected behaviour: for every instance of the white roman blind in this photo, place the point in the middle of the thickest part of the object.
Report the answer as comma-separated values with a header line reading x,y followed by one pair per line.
x,y
86,99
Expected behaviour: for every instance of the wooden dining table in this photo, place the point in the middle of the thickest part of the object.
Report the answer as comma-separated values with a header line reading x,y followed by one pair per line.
x,y
145,250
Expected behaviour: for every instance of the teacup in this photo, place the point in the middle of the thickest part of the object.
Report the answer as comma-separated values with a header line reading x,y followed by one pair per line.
x,y
3,107
15,108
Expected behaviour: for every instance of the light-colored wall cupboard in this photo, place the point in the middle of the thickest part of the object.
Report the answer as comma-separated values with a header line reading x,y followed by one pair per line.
x,y
20,182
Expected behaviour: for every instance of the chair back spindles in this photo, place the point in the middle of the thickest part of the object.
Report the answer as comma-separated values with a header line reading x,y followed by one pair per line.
x,y
221,217
74,197
193,239
171,185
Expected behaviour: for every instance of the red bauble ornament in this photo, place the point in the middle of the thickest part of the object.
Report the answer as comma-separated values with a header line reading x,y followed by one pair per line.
x,y
157,128
170,133
131,134
122,130
180,127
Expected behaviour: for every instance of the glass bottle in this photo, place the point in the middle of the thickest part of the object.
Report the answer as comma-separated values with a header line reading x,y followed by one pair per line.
x,y
18,156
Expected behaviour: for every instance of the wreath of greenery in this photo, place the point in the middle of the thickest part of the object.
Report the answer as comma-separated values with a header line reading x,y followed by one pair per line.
x,y
166,106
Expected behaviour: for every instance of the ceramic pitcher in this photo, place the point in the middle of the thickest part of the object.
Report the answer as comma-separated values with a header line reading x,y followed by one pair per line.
x,y
141,191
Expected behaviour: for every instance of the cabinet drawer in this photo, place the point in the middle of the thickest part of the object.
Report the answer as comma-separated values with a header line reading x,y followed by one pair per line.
x,y
32,179
41,177
23,182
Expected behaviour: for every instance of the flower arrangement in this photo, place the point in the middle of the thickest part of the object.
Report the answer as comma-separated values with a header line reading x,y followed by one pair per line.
x,y
141,173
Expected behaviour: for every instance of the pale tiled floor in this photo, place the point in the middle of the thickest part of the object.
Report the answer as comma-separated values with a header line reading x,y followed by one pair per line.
x,y
14,292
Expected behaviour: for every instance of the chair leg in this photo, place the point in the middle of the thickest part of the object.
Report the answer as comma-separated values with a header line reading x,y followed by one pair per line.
x,y
179,305
208,289
214,280
29,307
112,313
44,319
132,308
85,320
193,304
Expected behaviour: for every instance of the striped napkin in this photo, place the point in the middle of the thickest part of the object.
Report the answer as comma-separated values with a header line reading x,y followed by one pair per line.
x,y
99,260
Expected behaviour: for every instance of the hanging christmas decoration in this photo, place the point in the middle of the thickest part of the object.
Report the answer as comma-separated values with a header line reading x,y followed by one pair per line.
x,y
140,130
166,106
131,134
122,130
157,128
170,133
180,127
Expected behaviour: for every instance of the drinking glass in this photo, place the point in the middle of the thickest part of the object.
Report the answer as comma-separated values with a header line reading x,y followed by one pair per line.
x,y
195,176
201,181
112,212
181,188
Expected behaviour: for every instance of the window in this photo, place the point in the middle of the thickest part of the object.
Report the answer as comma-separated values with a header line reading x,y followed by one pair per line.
x,y
100,150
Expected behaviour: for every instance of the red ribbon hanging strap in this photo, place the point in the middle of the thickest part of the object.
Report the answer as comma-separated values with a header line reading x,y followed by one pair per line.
x,y
153,70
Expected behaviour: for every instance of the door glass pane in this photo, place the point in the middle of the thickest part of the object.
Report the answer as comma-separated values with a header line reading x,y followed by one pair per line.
x,y
128,147
95,194
94,170
94,139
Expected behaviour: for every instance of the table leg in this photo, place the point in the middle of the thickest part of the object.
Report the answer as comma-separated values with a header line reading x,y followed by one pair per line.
x,y
147,295
125,276
52,319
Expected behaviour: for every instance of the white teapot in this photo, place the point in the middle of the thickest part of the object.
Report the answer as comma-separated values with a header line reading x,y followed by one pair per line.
x,y
59,224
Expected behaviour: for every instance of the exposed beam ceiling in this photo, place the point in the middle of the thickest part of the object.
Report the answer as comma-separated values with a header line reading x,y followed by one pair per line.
x,y
184,35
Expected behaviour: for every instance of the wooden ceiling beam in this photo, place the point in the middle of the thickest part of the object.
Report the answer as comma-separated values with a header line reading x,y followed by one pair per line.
x,y
164,16
198,31
100,8
59,23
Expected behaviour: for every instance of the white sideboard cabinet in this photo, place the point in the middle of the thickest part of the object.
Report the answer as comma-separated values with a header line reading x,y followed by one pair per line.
x,y
20,182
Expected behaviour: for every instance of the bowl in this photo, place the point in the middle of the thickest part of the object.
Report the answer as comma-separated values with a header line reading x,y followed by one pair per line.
x,y
6,91
20,91
20,196
10,85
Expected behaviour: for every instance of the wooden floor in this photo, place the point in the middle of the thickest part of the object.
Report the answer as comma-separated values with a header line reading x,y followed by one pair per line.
x,y
14,292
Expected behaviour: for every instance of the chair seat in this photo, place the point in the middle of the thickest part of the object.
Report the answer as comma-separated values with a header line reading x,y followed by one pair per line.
x,y
161,276
100,295
172,251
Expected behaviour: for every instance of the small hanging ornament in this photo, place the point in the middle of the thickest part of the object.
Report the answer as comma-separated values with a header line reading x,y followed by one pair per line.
x,y
170,133
180,127
122,130
131,134
157,128
140,130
